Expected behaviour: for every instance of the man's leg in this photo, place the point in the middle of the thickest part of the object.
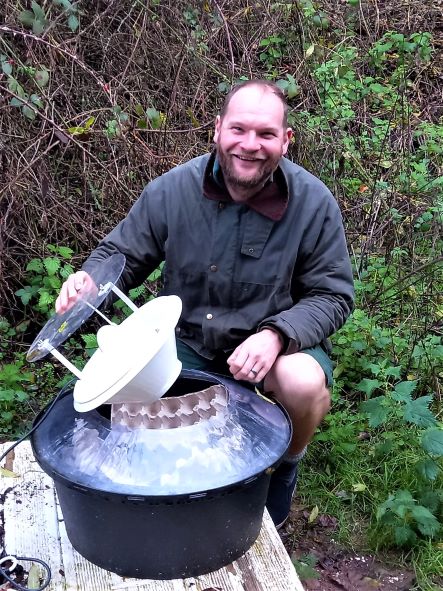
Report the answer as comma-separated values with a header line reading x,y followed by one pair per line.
x,y
300,383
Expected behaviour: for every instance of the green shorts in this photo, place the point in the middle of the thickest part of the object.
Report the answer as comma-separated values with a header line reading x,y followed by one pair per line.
x,y
192,360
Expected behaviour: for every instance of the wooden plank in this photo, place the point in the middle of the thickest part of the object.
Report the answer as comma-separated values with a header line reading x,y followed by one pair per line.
x,y
34,526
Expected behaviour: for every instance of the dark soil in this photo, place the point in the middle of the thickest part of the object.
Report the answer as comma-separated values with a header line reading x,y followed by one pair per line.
x,y
324,565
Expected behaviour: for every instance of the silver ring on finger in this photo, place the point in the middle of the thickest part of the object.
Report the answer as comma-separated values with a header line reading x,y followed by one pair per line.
x,y
254,372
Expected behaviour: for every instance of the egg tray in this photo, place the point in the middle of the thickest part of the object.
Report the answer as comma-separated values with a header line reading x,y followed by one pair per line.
x,y
173,412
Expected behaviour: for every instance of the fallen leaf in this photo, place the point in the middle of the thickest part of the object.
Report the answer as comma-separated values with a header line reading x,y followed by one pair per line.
x,y
313,515
8,473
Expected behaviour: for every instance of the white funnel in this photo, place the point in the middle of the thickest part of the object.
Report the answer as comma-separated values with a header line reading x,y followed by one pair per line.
x,y
136,361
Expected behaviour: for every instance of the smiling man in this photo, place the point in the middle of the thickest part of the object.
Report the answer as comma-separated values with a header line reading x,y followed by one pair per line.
x,y
254,246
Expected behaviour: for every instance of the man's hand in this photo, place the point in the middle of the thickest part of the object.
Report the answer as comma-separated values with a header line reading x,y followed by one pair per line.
x,y
253,359
75,287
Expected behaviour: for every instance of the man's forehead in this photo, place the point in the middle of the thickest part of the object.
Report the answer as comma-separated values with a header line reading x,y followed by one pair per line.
x,y
254,98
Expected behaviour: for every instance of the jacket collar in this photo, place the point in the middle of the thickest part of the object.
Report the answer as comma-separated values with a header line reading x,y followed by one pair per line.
x,y
271,201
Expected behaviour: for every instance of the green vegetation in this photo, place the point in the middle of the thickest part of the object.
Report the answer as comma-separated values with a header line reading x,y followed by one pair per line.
x,y
84,130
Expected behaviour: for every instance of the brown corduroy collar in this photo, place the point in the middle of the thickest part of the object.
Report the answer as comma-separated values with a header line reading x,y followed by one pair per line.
x,y
271,201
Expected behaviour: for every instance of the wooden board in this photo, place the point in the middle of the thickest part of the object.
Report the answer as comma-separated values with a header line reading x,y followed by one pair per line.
x,y
34,526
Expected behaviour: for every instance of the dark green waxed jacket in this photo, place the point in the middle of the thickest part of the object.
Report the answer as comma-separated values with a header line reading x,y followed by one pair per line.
x,y
236,270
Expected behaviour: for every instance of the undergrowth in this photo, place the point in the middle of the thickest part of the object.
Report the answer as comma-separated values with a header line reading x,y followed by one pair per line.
x,y
100,98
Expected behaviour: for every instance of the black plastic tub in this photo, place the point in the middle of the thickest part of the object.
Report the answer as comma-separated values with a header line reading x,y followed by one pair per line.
x,y
158,536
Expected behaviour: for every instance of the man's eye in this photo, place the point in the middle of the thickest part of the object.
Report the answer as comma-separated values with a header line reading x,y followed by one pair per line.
x,y
237,129
268,135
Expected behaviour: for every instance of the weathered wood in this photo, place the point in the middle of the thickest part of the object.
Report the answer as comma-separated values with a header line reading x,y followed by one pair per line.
x,y
34,526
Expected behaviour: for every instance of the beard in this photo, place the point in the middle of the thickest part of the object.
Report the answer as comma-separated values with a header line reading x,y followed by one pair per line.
x,y
255,181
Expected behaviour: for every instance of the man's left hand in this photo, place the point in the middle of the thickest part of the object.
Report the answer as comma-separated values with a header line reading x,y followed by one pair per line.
x,y
253,359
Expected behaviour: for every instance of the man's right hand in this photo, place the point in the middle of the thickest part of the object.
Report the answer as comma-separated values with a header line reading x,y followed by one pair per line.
x,y
75,287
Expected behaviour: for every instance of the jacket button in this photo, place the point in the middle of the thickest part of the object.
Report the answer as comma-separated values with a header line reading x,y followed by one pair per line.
x,y
221,205
213,268
209,316
250,250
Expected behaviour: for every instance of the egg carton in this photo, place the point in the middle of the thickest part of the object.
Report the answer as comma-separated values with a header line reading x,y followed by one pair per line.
x,y
173,412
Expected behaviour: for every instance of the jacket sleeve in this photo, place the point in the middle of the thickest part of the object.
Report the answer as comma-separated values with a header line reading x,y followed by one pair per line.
x,y
322,285
140,237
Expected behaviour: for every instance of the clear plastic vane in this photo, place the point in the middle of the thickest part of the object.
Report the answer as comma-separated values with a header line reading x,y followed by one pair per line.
x,y
61,326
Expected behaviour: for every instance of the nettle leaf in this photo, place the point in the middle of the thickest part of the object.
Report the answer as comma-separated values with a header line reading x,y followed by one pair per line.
x,y
15,102
428,469
25,295
427,523
432,441
35,265
403,390
368,386
417,412
46,299
52,265
404,535
90,341
65,252
376,410
394,371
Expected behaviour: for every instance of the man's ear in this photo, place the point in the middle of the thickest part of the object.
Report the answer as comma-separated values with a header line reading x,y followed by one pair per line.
x,y
217,128
288,135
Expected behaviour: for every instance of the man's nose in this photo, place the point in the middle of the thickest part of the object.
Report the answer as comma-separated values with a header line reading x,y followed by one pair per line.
x,y
250,142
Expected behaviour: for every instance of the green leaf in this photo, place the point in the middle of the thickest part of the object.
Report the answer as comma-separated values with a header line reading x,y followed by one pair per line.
x,y
46,299
427,523
26,17
73,23
25,295
36,100
404,535
7,68
64,251
38,11
28,112
403,390
417,412
393,370
15,102
41,77
368,386
90,341
432,441
428,469
35,265
38,27
376,410
52,265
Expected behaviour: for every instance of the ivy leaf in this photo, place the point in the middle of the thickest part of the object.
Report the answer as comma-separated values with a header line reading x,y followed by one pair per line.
x,y
428,468
376,411
73,23
432,441
403,391
368,386
417,412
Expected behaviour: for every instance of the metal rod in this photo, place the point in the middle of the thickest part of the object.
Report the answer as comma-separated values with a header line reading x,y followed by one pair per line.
x,y
66,363
124,298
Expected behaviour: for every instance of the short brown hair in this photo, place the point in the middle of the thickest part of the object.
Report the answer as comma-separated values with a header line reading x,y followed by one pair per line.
x,y
268,85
